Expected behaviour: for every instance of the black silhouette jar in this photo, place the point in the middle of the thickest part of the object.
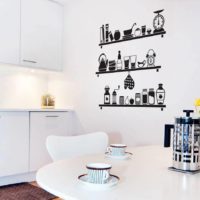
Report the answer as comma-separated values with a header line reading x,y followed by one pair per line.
x,y
117,35
160,94
107,95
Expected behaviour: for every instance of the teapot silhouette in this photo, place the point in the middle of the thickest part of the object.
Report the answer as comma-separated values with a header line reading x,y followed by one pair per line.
x,y
103,62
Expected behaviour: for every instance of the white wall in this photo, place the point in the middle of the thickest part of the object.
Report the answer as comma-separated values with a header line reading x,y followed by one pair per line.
x,y
21,87
178,53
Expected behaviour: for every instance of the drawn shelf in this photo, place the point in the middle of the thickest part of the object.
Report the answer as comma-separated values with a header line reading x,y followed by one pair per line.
x,y
128,70
126,106
134,38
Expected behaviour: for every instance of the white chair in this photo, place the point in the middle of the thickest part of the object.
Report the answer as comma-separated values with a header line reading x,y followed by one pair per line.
x,y
62,147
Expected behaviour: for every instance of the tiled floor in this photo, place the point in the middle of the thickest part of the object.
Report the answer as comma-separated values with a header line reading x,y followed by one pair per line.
x,y
35,184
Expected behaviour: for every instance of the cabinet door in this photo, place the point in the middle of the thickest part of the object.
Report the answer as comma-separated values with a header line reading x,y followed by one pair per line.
x,y
10,31
43,124
41,34
14,143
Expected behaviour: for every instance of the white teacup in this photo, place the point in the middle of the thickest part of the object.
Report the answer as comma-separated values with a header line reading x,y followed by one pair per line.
x,y
98,173
117,149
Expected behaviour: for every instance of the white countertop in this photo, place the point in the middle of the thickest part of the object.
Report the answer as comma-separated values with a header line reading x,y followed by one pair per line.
x,y
36,109
143,177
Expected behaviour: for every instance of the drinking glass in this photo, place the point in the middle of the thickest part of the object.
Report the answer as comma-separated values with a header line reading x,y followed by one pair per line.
x,y
133,60
126,62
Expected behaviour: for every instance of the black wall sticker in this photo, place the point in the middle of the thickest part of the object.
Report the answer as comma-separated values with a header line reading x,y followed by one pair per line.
x,y
151,58
128,63
158,22
135,32
129,82
103,62
114,96
147,97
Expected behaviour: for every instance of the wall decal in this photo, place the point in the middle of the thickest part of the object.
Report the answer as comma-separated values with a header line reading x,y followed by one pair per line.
x,y
151,95
103,62
121,100
129,82
117,35
160,94
147,97
158,21
136,31
119,61
112,65
131,101
151,58
127,100
114,96
128,33
141,64
107,95
137,98
129,63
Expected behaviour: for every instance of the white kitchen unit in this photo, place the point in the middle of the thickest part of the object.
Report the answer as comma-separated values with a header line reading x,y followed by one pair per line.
x,y
43,124
10,31
41,34
23,135
14,143
32,33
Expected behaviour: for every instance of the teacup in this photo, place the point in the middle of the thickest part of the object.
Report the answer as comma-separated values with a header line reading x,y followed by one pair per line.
x,y
98,173
117,149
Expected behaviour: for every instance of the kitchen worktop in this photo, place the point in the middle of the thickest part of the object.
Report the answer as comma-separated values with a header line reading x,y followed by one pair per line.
x,y
35,109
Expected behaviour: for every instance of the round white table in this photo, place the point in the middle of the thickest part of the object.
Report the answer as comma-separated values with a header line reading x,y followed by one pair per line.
x,y
143,177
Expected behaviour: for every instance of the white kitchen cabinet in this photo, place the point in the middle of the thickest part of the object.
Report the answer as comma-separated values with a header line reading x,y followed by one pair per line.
x,y
10,31
41,34
43,124
14,143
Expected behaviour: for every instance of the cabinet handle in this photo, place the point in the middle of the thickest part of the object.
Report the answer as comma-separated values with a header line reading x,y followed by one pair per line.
x,y
52,116
30,61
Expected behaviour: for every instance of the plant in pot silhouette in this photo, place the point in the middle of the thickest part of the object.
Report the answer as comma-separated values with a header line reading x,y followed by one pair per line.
x,y
103,62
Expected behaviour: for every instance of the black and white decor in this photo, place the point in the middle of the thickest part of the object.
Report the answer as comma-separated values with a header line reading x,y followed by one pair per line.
x,y
148,97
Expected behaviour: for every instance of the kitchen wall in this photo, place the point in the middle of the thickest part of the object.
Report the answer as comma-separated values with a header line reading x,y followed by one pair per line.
x,y
177,52
21,87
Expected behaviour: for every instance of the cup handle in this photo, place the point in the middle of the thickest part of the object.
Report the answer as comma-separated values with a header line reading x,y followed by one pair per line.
x,y
106,175
109,150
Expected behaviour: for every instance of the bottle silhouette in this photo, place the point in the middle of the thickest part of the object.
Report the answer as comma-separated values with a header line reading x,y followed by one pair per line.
x,y
119,61
107,95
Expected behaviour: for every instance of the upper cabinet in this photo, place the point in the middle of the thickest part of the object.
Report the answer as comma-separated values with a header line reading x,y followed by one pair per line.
x,y
10,31
31,33
41,34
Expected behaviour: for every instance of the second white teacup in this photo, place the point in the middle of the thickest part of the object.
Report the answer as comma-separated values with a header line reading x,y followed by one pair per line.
x,y
98,173
117,149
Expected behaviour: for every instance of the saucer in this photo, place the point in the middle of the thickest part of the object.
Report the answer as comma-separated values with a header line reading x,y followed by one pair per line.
x,y
126,156
113,180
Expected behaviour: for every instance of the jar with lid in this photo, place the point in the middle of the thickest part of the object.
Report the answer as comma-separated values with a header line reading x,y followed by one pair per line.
x,y
144,97
114,97
107,95
151,96
160,94
137,98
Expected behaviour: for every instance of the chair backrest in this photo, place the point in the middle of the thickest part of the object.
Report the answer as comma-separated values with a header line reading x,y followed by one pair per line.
x,y
62,147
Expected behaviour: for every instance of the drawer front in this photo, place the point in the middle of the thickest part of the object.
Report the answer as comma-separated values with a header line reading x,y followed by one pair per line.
x,y
43,124
14,143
